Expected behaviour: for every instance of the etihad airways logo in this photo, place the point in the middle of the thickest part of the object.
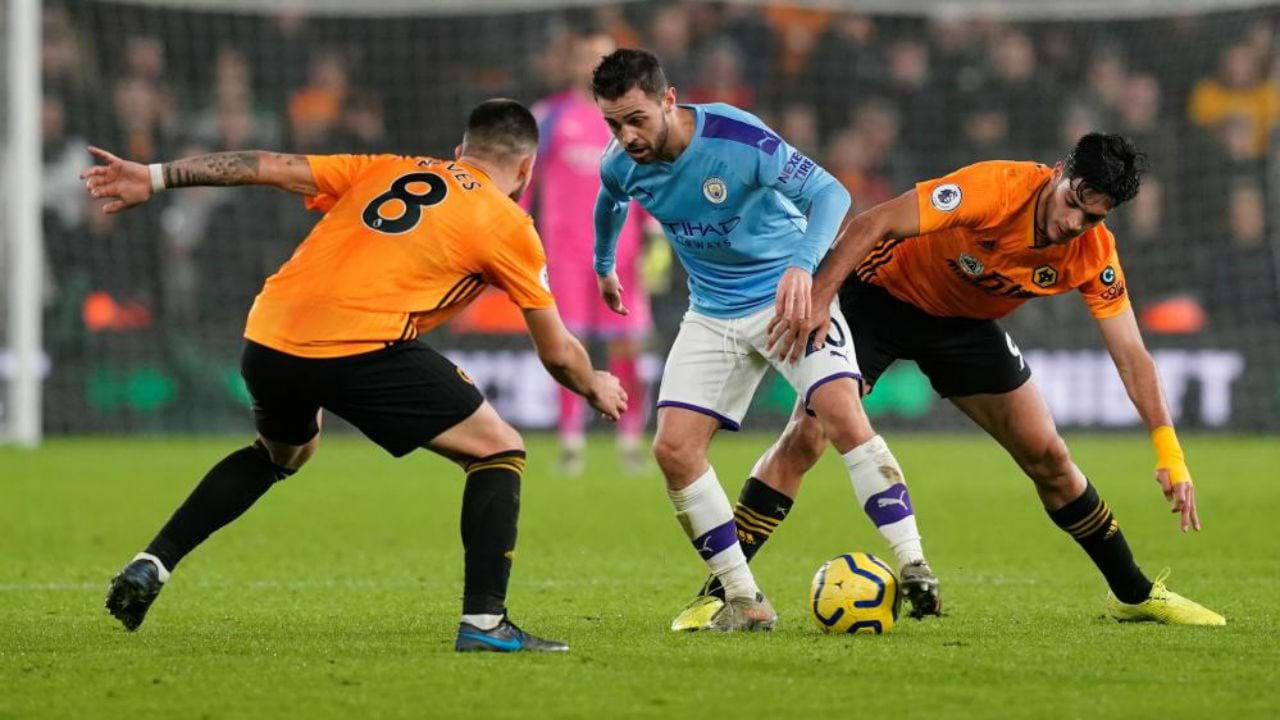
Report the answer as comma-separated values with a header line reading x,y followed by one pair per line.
x,y
700,236
695,229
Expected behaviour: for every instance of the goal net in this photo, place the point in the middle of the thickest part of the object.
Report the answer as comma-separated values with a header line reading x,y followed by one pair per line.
x,y
142,312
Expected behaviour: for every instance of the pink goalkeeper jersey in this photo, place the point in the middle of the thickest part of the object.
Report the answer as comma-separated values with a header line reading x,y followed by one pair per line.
x,y
566,180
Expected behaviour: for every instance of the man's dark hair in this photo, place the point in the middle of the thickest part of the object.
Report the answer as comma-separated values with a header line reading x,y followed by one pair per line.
x,y
501,127
627,68
1109,164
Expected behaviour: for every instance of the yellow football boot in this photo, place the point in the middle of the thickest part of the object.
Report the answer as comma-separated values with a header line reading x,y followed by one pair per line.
x,y
1163,606
697,614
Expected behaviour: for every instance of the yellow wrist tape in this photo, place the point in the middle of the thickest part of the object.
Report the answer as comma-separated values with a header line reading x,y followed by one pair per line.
x,y
1169,454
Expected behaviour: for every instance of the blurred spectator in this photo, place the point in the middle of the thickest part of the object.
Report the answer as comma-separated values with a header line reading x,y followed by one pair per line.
x,y
234,120
856,162
145,120
798,123
748,29
1028,95
986,136
612,22
1078,118
1239,90
68,68
1155,265
363,128
1106,81
846,65
797,30
670,38
1059,49
1238,291
64,156
550,62
282,58
958,56
720,78
144,58
920,102
879,124
315,108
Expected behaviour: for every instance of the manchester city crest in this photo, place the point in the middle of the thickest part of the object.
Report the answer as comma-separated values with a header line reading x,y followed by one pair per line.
x,y
715,190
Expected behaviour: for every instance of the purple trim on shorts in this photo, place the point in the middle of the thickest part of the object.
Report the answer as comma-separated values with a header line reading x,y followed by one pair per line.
x,y
808,395
725,422
889,506
716,540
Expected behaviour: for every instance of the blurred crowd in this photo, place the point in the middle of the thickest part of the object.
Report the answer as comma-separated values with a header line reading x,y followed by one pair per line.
x,y
880,101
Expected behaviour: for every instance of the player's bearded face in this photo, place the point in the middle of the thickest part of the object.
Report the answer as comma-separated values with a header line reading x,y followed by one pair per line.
x,y
1072,209
640,124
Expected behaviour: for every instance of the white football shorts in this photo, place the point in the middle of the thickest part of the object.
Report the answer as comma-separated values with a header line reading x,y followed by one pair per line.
x,y
716,364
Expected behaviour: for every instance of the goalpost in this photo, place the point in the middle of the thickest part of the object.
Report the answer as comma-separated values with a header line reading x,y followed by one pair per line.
x,y
22,221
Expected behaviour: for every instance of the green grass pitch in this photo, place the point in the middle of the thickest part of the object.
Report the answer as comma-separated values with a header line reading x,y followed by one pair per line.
x,y
337,595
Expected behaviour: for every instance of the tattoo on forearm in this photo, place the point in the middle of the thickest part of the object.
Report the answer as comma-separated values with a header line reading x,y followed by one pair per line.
x,y
224,168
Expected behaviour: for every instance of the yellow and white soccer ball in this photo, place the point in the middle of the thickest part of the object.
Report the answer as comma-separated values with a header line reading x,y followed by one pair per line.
x,y
854,593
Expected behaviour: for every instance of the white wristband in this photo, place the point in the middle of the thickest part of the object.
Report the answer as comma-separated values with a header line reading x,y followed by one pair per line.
x,y
157,177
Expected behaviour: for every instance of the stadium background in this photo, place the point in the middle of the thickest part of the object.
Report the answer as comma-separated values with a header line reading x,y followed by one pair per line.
x,y
142,312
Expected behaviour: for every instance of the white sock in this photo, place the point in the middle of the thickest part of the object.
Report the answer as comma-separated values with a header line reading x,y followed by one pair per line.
x,y
704,512
164,571
882,492
482,621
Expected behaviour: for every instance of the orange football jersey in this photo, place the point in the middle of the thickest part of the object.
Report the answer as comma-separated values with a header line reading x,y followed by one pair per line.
x,y
405,243
976,257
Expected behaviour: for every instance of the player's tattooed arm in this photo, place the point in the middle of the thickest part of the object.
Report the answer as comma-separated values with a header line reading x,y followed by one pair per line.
x,y
242,167
124,183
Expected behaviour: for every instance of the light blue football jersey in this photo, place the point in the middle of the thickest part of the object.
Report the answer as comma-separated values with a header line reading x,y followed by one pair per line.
x,y
733,204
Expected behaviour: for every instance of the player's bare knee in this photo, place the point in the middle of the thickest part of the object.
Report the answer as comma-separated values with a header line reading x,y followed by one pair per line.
x,y
802,445
846,427
499,437
1049,463
677,456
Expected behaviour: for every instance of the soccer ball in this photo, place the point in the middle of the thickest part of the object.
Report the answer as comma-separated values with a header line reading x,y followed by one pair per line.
x,y
854,593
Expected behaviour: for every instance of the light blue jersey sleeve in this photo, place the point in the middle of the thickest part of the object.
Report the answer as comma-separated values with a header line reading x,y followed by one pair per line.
x,y
610,216
813,191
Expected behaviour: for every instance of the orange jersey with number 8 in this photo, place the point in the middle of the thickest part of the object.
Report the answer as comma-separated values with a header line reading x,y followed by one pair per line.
x,y
405,243
976,256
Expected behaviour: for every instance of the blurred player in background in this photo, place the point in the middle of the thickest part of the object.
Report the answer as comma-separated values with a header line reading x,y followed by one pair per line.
x,y
925,276
405,244
565,183
749,217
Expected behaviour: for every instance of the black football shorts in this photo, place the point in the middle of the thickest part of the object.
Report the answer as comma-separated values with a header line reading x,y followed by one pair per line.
x,y
400,397
960,356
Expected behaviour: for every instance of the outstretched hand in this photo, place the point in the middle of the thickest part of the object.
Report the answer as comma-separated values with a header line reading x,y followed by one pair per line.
x,y
123,182
1182,498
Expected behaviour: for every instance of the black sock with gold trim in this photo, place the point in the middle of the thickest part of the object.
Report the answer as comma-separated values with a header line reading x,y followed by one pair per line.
x,y
759,511
490,508
229,489
1088,519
